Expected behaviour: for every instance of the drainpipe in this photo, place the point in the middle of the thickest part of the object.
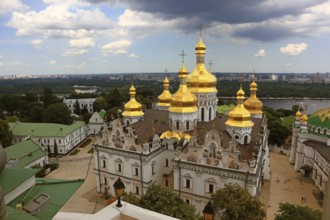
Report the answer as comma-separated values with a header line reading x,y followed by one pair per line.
x,y
98,168
179,163
141,170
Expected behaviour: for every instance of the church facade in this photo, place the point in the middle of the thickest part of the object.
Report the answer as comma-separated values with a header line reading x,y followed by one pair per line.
x,y
310,148
184,144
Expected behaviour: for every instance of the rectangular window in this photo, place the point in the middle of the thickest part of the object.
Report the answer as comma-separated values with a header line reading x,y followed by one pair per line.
x,y
59,141
166,183
187,201
104,165
210,188
119,167
105,181
136,171
188,183
137,190
166,162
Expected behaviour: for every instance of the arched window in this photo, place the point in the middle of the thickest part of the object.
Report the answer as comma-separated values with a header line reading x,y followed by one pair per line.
x,y
127,122
319,130
177,125
202,119
210,114
187,125
246,139
325,131
166,162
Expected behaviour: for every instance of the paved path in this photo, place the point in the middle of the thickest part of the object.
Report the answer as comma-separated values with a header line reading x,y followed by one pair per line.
x,y
286,185
86,199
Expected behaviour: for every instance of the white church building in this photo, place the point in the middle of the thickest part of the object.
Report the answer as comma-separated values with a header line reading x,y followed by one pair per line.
x,y
184,144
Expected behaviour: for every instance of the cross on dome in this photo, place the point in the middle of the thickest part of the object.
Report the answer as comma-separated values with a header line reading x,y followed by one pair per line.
x,y
182,54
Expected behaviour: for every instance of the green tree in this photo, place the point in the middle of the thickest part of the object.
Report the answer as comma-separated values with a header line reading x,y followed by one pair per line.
x,y
296,212
76,108
164,200
114,98
47,97
233,203
36,110
12,118
111,114
99,104
57,113
131,198
86,117
6,136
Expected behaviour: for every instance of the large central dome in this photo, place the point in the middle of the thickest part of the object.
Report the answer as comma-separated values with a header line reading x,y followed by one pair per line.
x,y
200,80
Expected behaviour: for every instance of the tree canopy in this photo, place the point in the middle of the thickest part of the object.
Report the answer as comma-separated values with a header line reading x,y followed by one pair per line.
x,y
165,201
6,136
99,104
57,113
297,212
233,203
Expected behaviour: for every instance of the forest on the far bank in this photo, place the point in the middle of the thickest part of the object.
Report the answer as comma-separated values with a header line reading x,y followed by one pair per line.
x,y
225,88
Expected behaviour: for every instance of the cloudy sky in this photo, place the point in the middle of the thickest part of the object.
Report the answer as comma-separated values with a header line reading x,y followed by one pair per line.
x,y
115,36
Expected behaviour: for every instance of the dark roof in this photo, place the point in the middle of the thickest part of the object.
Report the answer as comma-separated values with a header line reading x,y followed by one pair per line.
x,y
322,148
157,122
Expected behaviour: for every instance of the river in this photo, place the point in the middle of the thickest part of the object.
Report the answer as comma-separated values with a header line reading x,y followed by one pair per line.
x,y
287,103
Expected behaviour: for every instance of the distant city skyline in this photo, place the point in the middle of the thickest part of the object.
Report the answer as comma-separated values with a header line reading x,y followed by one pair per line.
x,y
112,36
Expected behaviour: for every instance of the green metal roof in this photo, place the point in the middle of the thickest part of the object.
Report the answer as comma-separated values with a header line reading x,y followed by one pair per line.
x,y
11,178
14,214
44,129
60,191
26,152
102,113
320,118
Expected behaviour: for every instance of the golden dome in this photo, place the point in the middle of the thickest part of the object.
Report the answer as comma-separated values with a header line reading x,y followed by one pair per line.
x,y
200,80
239,116
304,118
183,100
253,104
173,134
132,107
298,114
165,98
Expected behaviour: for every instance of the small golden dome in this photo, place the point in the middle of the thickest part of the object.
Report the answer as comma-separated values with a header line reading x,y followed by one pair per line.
x,y
304,118
200,80
200,46
253,104
165,98
183,100
132,107
239,116
298,114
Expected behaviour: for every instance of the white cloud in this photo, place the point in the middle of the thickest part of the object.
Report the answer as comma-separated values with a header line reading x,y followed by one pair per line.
x,y
116,47
1,56
82,42
133,55
74,52
288,64
52,62
293,49
118,52
37,43
261,53
8,6
59,21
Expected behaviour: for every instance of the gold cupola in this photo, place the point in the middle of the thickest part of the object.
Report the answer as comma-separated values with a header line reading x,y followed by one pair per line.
x,y
253,104
239,116
200,80
164,99
298,115
132,108
304,118
183,101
